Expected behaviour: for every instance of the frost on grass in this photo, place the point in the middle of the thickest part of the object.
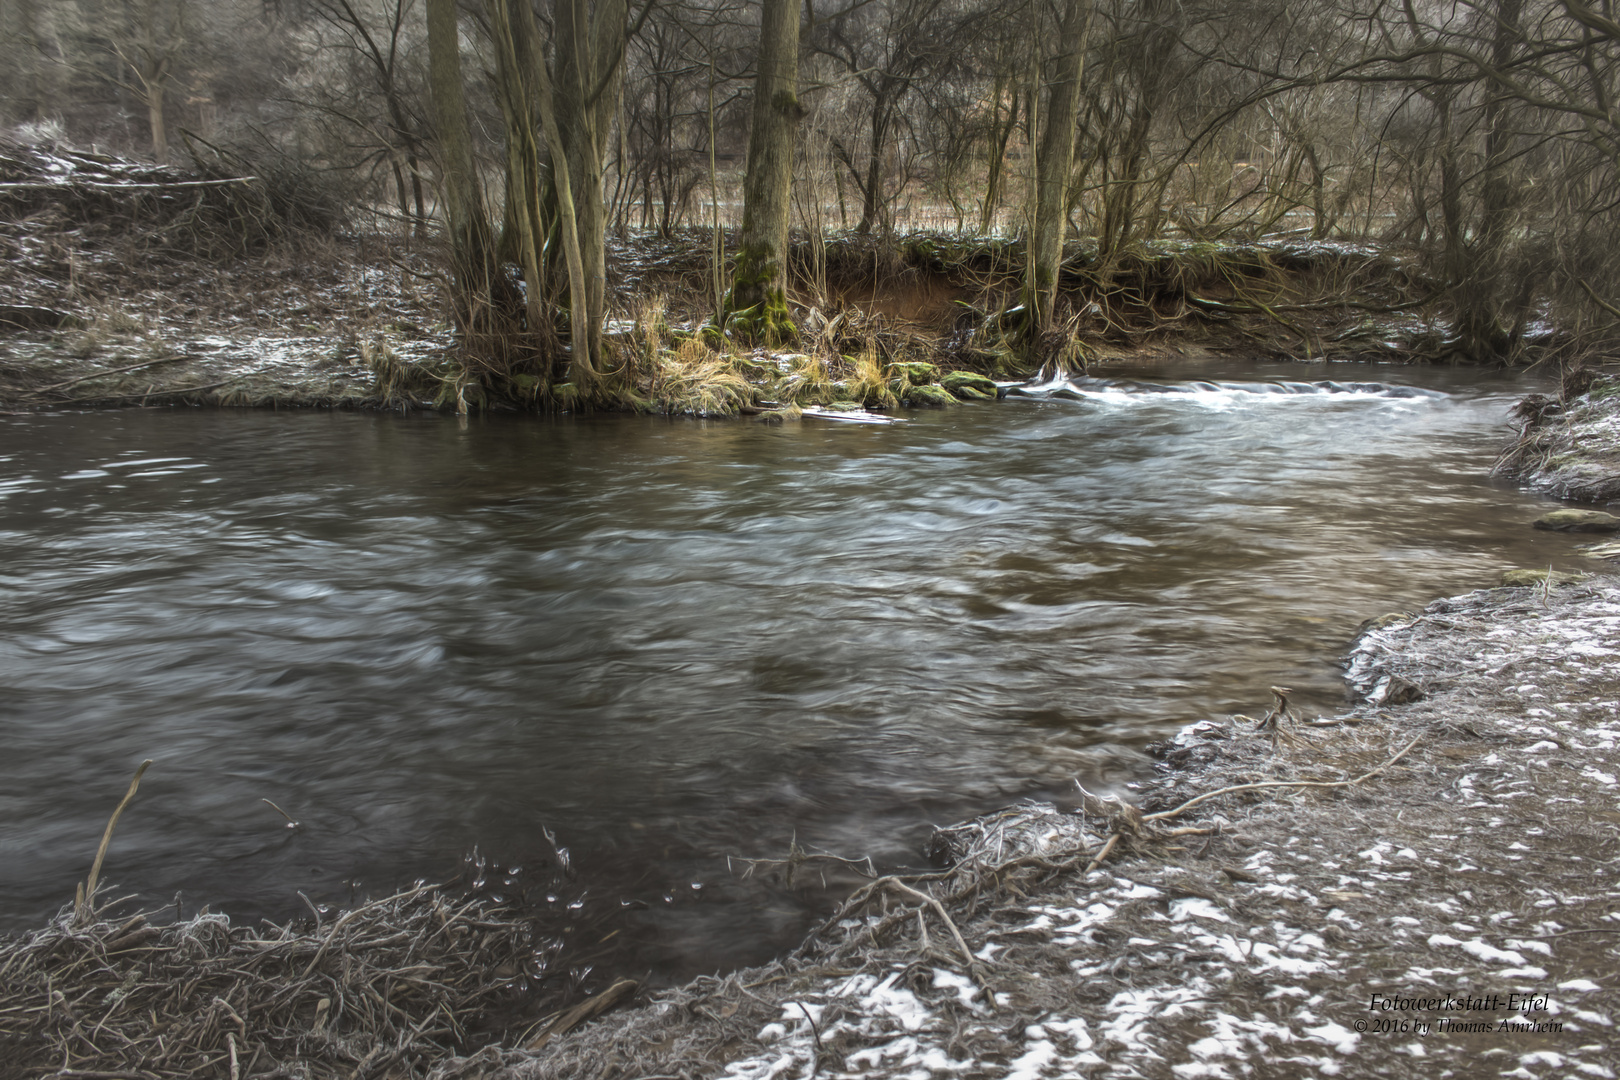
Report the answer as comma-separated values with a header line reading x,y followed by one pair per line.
x,y
1482,862
1572,451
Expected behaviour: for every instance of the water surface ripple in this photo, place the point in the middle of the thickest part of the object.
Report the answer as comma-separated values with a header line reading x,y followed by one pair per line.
x,y
668,641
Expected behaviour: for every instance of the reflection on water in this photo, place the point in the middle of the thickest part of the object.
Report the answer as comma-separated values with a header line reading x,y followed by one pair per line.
x,y
668,641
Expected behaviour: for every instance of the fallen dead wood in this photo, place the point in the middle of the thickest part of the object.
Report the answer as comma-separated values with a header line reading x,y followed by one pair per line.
x,y
990,855
116,185
166,392
585,1010
103,374
87,892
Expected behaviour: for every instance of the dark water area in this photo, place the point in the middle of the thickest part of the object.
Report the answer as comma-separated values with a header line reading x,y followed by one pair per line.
x,y
667,642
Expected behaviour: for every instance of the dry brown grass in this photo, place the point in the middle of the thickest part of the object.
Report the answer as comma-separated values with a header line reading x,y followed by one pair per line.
x,y
389,989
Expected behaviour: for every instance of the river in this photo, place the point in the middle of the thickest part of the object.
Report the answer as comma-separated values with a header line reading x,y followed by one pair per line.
x,y
662,642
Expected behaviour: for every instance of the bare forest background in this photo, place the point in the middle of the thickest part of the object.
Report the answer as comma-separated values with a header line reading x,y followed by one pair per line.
x,y
1474,146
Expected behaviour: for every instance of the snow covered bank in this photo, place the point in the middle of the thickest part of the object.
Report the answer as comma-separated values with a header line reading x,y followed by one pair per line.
x,y
1455,914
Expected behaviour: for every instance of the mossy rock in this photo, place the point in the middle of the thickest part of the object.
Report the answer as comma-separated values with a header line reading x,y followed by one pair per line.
x,y
954,379
1522,578
879,398
970,387
916,372
1586,521
972,393
932,396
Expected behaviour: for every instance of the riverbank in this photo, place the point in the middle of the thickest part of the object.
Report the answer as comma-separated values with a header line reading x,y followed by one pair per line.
x,y
1569,446
1136,925
1440,901
125,283
1425,882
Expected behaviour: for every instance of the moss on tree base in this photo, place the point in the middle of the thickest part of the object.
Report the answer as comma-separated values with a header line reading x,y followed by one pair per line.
x,y
756,308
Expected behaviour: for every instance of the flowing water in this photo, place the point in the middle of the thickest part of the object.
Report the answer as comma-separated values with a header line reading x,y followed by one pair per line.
x,y
662,642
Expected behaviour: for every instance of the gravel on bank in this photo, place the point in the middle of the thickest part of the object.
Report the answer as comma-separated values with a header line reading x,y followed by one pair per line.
x,y
1455,913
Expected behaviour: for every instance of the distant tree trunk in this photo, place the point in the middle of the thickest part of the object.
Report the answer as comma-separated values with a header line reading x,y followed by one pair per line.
x,y
152,72
872,192
758,299
154,35
414,160
26,38
999,137
1486,329
1321,222
1054,164
400,189
160,130
465,221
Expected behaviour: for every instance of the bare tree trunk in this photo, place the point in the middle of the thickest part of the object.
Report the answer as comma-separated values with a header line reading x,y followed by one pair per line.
x,y
1486,331
518,62
154,116
717,252
585,92
465,221
872,191
516,58
758,300
1055,161
156,34
400,190
999,137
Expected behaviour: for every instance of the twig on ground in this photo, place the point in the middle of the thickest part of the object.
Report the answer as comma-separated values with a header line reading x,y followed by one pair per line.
x,y
1107,849
103,374
1165,815
939,909
586,1009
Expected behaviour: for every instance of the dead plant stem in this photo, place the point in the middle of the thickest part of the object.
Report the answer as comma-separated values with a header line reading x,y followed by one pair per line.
x,y
86,902
1165,815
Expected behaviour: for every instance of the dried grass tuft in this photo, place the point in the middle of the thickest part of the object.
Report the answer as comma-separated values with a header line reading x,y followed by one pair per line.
x,y
695,380
392,988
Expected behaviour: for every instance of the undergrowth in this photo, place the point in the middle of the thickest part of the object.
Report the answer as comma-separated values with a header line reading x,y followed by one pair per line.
x,y
850,360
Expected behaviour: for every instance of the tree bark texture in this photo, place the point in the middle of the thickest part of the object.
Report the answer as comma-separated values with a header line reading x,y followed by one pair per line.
x,y
757,305
465,220
588,53
526,87
1487,327
1054,163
